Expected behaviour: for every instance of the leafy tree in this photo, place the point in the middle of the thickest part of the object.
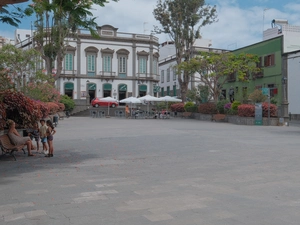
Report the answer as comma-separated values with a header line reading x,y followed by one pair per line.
x,y
58,20
215,69
13,17
182,20
17,64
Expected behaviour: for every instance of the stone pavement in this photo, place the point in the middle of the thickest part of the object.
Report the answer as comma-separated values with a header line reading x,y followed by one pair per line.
x,y
114,171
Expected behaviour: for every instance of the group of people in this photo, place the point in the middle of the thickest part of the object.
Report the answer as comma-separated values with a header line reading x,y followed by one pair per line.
x,y
44,133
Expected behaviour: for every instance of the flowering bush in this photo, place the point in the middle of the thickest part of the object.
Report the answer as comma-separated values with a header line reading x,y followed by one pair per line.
x,y
221,104
246,110
177,107
20,108
273,110
43,107
61,106
2,115
227,106
53,107
208,108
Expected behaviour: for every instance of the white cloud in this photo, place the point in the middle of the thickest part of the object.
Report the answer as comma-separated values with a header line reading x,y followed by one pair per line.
x,y
240,22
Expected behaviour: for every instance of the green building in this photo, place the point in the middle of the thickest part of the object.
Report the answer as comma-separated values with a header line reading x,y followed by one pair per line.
x,y
271,76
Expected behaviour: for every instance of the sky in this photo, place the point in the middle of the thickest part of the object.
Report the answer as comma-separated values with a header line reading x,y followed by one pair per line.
x,y
240,22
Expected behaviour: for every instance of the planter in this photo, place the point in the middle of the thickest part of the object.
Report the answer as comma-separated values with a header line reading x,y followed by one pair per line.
x,y
251,120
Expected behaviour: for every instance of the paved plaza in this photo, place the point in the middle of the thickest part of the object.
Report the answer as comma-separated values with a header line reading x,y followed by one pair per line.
x,y
116,171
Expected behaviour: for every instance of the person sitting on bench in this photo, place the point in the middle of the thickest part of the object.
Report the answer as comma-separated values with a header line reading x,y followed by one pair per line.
x,y
17,139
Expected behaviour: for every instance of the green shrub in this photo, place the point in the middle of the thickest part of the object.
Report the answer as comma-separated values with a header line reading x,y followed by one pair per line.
x,y
235,105
68,102
231,112
221,104
208,108
190,107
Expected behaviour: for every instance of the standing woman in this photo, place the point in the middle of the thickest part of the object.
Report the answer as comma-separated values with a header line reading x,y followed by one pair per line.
x,y
50,132
17,139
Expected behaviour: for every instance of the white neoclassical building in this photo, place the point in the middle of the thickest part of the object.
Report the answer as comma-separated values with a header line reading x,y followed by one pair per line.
x,y
117,64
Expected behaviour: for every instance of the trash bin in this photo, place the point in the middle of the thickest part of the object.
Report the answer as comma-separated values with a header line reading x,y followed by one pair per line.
x,y
55,120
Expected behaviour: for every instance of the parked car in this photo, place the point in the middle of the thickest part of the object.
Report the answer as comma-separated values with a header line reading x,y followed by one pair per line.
x,y
96,102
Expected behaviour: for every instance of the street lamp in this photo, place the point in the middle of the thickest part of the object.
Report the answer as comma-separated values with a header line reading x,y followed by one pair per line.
x,y
285,103
87,93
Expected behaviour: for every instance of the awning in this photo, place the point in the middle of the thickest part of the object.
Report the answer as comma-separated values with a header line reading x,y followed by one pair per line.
x,y
107,87
143,88
69,86
122,87
92,86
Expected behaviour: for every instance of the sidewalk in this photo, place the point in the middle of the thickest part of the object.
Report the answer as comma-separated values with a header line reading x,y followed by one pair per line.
x,y
113,171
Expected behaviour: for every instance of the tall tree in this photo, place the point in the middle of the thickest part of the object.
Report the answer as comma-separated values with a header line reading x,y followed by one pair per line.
x,y
58,20
18,64
215,69
182,20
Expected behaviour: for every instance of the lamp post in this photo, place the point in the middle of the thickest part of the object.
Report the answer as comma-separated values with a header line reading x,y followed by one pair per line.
x,y
87,93
285,103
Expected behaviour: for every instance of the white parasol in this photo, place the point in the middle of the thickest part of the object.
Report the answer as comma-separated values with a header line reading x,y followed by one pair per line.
x,y
108,99
148,99
131,100
169,99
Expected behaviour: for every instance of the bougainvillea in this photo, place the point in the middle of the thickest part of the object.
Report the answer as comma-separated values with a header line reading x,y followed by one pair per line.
x,y
53,107
2,115
61,106
20,108
43,107
273,110
246,110
208,108
177,107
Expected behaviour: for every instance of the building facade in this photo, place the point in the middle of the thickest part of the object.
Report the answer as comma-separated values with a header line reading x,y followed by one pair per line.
x,y
168,77
117,64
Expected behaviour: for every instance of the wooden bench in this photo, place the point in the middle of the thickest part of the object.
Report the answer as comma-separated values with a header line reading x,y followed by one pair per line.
x,y
8,148
186,114
61,115
218,117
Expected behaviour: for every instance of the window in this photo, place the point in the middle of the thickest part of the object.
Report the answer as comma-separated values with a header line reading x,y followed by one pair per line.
x,y
162,92
91,57
174,90
122,64
168,90
174,74
231,77
91,64
107,63
69,61
269,60
142,65
154,66
260,73
122,55
168,75
162,76
142,59
273,90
